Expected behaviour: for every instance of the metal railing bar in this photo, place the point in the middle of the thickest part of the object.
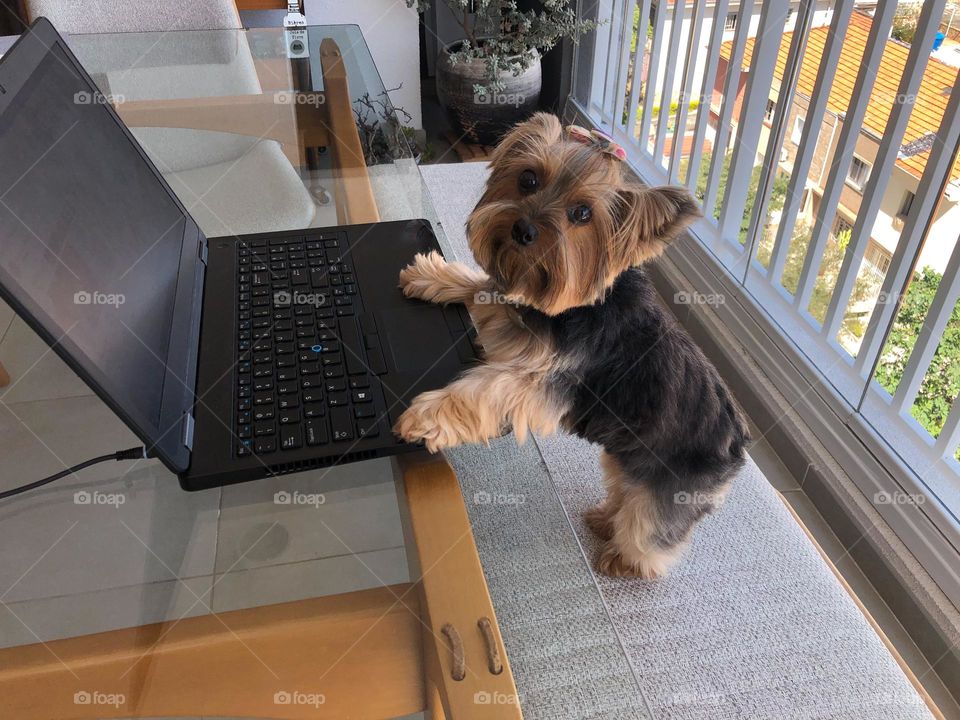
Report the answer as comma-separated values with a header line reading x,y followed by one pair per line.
x,y
669,74
778,130
763,62
626,32
638,58
816,109
686,87
706,94
852,125
653,65
930,333
927,26
726,113
919,221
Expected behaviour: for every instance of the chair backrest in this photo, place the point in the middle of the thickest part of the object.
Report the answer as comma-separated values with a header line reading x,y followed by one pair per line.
x,y
92,16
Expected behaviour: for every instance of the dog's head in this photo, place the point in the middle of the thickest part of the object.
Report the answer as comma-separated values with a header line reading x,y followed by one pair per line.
x,y
558,222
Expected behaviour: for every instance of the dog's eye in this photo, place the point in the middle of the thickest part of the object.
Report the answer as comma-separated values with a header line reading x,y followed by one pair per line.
x,y
580,214
528,181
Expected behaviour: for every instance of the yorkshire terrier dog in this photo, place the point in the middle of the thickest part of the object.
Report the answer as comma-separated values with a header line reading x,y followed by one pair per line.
x,y
574,337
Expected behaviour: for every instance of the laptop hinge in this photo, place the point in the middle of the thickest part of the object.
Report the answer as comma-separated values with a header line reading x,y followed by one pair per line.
x,y
187,436
203,251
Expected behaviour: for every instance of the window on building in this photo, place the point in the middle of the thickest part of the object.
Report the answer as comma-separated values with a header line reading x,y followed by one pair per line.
x,y
841,226
905,205
731,22
797,130
768,113
859,173
877,258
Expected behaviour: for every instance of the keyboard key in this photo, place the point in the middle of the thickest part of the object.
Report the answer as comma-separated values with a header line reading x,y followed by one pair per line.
x,y
244,432
288,387
362,396
288,417
310,395
288,401
291,438
243,449
263,399
364,411
334,371
263,384
310,381
368,428
359,381
264,428
335,385
265,445
314,410
315,431
337,399
263,413
341,424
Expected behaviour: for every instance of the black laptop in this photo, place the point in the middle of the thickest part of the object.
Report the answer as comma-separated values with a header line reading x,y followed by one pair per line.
x,y
232,358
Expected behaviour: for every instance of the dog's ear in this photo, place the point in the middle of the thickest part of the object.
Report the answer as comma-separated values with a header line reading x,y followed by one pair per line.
x,y
541,130
649,218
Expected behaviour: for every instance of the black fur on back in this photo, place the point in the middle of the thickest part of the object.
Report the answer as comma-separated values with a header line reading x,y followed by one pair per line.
x,y
641,388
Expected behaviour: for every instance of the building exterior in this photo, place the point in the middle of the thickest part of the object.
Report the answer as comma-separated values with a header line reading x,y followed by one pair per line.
x,y
927,112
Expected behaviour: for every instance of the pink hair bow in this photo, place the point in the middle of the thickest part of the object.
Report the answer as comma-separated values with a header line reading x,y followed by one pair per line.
x,y
600,140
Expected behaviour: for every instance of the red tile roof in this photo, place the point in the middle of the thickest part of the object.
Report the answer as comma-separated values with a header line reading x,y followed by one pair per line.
x,y
928,109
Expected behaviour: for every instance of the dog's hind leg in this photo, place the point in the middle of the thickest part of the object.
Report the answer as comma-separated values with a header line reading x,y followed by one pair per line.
x,y
644,536
429,277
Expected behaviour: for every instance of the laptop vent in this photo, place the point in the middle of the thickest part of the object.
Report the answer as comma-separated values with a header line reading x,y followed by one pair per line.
x,y
300,465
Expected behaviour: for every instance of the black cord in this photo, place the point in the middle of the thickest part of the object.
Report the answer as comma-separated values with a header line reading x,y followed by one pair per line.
x,y
131,454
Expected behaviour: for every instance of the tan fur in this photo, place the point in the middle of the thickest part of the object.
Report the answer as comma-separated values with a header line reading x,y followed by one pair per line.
x,y
507,391
569,264
627,522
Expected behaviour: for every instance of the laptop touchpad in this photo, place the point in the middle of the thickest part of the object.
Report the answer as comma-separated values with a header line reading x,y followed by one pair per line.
x,y
417,336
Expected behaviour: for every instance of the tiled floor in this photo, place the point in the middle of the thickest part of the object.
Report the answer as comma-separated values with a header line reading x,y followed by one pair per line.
x,y
789,486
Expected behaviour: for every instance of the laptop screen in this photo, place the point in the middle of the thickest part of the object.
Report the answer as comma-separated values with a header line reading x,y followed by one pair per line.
x,y
88,231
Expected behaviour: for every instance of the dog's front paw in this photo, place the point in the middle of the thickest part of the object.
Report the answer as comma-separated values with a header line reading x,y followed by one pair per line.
x,y
421,278
428,420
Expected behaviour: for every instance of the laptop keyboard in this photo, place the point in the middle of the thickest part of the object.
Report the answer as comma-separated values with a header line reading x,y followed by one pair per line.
x,y
302,379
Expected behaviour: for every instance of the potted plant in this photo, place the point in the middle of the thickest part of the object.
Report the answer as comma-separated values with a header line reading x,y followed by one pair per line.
x,y
490,79
384,134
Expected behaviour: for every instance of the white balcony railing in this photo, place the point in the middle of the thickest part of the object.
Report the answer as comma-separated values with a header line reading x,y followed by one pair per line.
x,y
691,102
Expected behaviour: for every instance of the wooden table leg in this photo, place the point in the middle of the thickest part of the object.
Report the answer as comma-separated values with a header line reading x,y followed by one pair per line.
x,y
454,600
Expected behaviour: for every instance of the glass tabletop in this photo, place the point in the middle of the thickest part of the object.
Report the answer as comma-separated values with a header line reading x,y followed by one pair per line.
x,y
240,123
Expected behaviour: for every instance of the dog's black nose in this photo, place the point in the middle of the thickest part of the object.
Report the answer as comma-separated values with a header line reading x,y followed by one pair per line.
x,y
524,232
